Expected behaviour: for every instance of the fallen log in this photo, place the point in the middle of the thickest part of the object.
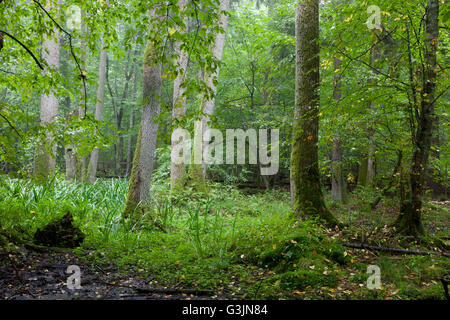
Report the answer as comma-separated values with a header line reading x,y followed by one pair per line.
x,y
198,292
394,250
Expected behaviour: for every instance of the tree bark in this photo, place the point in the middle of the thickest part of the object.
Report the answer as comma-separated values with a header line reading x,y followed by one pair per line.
x,y
70,153
44,161
337,180
211,78
143,163
82,161
304,158
132,120
178,171
98,109
410,218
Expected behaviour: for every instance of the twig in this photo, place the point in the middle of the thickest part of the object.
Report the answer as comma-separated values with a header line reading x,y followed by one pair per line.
x,y
165,290
82,76
393,250
391,183
11,125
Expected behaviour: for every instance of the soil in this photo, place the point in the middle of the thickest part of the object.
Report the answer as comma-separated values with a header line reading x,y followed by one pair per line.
x,y
39,274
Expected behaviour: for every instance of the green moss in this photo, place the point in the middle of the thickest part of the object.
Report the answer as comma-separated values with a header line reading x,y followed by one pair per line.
x,y
132,202
41,165
149,54
362,173
195,179
308,195
299,280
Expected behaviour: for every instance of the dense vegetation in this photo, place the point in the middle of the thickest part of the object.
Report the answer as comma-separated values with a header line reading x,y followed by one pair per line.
x,y
92,92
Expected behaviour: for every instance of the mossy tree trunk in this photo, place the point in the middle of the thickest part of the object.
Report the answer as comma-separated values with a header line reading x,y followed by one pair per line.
x,y
410,220
308,197
144,157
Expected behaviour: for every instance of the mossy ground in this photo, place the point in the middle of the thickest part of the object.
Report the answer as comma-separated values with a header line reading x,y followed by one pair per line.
x,y
247,246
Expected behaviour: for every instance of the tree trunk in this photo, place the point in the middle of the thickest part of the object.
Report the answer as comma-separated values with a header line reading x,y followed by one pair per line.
x,y
370,166
44,161
81,173
337,180
143,162
304,158
410,219
178,170
71,156
132,120
130,141
211,78
98,110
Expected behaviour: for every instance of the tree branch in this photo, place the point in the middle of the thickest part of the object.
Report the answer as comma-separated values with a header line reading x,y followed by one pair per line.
x,y
82,75
25,47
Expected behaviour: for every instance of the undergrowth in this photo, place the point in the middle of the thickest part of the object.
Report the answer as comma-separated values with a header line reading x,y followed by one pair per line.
x,y
237,244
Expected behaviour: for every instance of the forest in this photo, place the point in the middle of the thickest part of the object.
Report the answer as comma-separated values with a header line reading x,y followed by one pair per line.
x,y
224,150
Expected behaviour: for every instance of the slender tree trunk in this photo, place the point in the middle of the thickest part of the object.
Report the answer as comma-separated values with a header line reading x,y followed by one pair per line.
x,y
178,171
130,141
119,118
211,78
304,158
98,110
337,181
144,156
82,161
132,120
71,156
44,161
370,177
410,219
370,173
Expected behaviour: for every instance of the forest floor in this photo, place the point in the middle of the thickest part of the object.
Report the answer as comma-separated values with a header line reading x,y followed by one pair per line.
x,y
41,274
230,245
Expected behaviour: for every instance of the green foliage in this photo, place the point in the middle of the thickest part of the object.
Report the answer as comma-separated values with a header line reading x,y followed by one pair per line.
x,y
299,280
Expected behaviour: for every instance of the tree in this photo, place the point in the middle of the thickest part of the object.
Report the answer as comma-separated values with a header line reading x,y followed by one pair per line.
x,y
308,197
178,170
410,219
44,161
211,79
81,162
144,156
337,179
131,124
93,162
